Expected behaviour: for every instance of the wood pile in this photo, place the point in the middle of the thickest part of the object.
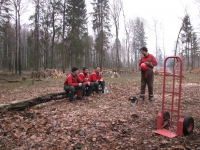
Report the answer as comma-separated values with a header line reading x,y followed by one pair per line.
x,y
48,73
112,72
195,70
118,71
160,72
115,74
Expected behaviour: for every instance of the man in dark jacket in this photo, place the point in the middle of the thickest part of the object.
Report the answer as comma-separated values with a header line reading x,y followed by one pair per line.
x,y
73,83
146,64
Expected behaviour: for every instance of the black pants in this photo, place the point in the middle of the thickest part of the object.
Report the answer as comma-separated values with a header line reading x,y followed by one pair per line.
x,y
72,89
96,85
147,78
89,89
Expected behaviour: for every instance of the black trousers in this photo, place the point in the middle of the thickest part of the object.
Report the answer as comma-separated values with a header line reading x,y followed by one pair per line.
x,y
147,78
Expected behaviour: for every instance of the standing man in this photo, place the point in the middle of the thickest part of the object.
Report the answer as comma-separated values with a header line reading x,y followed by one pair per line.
x,y
146,64
84,76
97,78
73,83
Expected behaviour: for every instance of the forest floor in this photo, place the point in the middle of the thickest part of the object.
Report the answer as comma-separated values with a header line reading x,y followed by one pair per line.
x,y
99,122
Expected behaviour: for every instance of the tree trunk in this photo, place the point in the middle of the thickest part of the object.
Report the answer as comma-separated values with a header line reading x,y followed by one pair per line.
x,y
16,46
23,104
102,38
19,41
63,40
53,39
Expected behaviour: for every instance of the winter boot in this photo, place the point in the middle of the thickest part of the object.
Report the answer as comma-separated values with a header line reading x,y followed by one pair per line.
x,y
71,96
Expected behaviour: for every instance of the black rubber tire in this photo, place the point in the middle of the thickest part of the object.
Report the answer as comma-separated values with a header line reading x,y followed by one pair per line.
x,y
166,117
188,125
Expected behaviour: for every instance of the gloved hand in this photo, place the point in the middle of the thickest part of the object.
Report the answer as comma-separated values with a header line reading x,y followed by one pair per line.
x,y
88,83
79,84
149,64
86,79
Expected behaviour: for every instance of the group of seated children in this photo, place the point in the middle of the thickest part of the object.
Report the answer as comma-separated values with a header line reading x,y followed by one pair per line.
x,y
82,83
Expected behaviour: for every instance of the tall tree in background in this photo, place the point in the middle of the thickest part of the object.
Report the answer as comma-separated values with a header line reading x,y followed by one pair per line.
x,y
54,9
113,53
138,37
64,23
186,35
101,27
17,8
115,14
87,44
36,19
194,50
5,36
127,40
45,32
77,21
156,32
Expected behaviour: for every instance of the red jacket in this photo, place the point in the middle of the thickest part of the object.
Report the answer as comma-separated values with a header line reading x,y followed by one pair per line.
x,y
149,58
95,76
83,76
72,80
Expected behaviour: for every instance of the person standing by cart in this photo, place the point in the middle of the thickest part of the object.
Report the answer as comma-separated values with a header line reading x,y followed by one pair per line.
x,y
146,65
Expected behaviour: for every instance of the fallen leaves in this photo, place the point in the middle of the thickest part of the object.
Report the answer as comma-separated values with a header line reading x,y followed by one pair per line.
x,y
103,121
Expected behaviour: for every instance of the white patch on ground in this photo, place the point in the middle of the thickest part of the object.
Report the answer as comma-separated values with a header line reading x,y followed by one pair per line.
x,y
190,85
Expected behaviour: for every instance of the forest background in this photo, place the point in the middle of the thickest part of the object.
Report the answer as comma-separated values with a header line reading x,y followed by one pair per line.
x,y
60,34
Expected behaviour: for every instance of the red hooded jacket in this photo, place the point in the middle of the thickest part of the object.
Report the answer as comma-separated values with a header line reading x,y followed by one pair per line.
x,y
150,59
95,76
72,80
83,76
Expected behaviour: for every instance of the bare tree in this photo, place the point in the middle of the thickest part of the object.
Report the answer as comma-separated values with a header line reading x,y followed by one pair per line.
x,y
101,27
155,27
64,5
19,9
36,33
115,14
127,32
163,43
137,35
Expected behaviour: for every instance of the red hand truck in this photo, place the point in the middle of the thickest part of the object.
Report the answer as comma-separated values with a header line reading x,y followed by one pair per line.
x,y
169,117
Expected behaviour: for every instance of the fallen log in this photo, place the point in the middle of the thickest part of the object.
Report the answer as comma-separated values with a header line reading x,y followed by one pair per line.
x,y
27,103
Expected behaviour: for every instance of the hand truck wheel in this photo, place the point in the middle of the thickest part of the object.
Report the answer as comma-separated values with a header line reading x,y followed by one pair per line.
x,y
188,125
166,119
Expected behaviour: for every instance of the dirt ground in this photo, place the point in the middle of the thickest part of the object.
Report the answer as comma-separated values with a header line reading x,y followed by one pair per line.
x,y
99,122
